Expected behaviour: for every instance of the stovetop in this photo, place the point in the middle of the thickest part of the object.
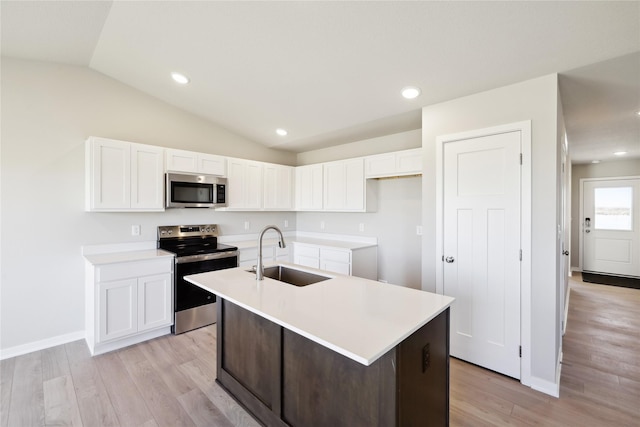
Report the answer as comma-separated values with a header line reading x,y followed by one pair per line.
x,y
186,240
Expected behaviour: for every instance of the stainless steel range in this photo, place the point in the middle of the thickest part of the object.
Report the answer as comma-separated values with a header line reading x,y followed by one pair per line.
x,y
197,251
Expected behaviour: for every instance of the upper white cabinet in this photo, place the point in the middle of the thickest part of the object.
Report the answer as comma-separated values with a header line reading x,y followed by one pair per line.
x,y
278,187
190,161
308,185
398,163
244,184
123,176
344,186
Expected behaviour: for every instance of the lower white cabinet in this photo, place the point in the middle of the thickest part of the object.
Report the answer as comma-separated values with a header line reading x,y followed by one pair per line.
x,y
128,302
271,254
349,261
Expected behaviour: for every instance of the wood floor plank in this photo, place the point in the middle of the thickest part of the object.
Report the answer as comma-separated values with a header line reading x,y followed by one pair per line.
x,y
27,398
55,363
93,400
165,408
60,403
202,410
166,363
6,380
204,377
129,405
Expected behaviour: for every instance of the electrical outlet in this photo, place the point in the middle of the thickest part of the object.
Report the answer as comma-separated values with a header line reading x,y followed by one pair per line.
x,y
286,223
246,225
361,227
321,225
135,230
419,230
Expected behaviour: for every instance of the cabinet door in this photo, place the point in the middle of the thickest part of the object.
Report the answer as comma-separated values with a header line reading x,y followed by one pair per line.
x,y
154,302
309,184
380,165
109,175
147,177
337,261
278,187
212,164
409,162
244,184
118,302
344,185
181,160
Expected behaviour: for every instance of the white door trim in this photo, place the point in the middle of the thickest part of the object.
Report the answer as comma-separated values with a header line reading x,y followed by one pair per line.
x,y
582,181
524,128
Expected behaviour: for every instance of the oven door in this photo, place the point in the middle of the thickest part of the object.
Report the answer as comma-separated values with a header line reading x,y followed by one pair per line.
x,y
188,295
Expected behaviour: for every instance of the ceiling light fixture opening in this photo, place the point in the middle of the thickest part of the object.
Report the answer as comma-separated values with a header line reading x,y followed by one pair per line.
x,y
620,153
411,92
180,78
281,132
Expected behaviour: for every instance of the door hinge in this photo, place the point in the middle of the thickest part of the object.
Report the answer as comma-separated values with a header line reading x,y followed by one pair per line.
x,y
520,158
520,254
520,351
442,258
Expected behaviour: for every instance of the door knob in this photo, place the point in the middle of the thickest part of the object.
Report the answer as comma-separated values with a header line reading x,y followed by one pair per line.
x,y
565,253
449,259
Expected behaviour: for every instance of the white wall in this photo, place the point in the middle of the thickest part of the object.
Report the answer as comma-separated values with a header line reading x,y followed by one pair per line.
x,y
534,100
48,111
366,147
610,169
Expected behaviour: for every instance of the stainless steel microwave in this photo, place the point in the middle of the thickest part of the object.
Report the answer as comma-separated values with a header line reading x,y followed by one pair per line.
x,y
195,191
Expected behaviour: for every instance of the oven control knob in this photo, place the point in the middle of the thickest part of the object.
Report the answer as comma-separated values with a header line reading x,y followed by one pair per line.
x,y
170,231
208,229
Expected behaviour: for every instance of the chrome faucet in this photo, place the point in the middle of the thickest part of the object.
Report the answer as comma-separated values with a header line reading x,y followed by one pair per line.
x,y
281,243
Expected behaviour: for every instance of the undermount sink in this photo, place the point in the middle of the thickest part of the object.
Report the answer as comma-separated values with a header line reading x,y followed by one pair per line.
x,y
291,275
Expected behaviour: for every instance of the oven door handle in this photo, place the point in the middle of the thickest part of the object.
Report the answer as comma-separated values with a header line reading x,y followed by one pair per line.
x,y
205,257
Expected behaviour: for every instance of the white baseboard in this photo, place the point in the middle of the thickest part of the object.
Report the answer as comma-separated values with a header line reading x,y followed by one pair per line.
x,y
19,350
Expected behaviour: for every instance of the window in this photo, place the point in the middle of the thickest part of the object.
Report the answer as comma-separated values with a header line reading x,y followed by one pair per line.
x,y
613,208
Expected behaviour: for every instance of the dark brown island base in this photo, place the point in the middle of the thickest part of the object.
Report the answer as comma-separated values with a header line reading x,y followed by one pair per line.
x,y
285,379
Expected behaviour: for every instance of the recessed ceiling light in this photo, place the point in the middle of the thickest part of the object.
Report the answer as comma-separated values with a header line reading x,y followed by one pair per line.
x,y
638,113
281,132
620,153
595,161
411,92
180,78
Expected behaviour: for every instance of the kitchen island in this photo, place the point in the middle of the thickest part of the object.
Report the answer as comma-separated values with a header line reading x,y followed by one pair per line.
x,y
343,351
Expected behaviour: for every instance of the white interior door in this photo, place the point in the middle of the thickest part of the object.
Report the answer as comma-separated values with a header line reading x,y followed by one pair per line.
x,y
481,218
611,226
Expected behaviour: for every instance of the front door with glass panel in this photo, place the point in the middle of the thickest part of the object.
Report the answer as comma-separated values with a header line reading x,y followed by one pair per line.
x,y
611,226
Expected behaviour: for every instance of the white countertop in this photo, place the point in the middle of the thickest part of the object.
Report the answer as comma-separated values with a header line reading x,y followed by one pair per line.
x,y
343,244
127,256
359,318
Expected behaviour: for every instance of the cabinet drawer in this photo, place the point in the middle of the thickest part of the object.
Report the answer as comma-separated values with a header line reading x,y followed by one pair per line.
x,y
307,251
250,254
107,273
337,256
312,262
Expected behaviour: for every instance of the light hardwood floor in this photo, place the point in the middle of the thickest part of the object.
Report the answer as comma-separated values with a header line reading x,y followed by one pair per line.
x,y
170,381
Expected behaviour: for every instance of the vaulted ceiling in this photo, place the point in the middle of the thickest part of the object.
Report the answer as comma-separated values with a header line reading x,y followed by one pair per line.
x,y
331,72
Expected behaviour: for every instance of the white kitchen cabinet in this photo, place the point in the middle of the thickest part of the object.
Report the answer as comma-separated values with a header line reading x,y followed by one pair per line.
x,y
344,187
398,163
128,302
194,162
123,176
349,260
244,184
278,187
271,254
308,186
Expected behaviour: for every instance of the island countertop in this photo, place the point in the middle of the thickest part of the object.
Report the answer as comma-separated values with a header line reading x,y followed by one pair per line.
x,y
359,318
